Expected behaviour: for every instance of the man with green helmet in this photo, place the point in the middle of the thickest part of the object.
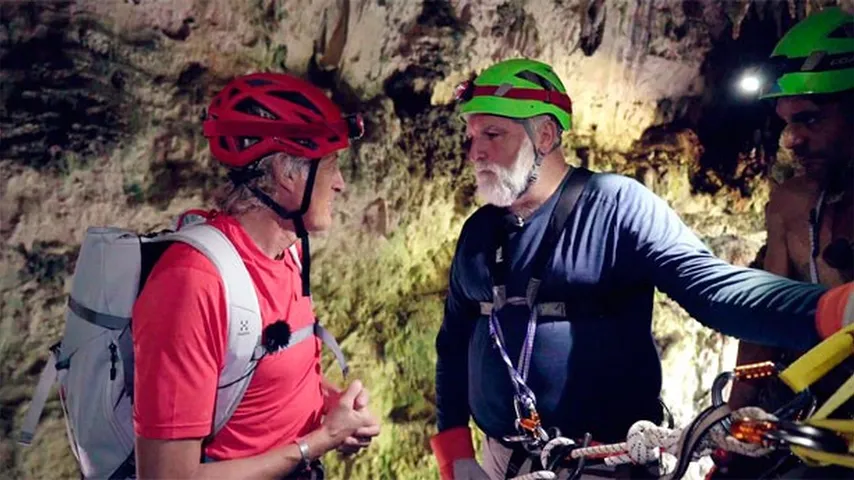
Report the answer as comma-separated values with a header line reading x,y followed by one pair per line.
x,y
810,217
547,322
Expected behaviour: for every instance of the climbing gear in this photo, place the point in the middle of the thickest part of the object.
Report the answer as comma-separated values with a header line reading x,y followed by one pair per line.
x,y
815,447
531,433
259,114
816,56
800,406
812,437
645,443
517,88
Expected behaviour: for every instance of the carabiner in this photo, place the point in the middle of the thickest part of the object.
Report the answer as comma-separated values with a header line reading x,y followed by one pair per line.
x,y
808,436
530,409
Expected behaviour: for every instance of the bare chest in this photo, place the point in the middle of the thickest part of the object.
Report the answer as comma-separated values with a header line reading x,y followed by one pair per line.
x,y
836,223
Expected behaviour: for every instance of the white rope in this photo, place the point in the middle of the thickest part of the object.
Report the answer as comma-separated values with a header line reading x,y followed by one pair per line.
x,y
721,438
646,442
539,475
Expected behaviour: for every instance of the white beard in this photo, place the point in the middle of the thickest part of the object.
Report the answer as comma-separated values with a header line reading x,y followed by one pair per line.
x,y
501,186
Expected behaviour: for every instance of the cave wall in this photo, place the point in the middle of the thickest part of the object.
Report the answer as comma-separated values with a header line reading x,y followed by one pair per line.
x,y
99,124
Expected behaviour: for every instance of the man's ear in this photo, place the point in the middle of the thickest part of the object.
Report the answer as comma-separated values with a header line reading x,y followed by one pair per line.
x,y
286,180
548,137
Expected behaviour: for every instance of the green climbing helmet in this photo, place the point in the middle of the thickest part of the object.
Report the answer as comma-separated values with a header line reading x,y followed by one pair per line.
x,y
517,88
815,56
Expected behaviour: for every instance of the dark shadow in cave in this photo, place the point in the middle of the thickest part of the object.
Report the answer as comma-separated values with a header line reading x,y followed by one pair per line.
x,y
728,122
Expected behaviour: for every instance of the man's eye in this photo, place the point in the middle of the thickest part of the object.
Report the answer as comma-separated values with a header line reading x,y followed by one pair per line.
x,y
492,135
810,120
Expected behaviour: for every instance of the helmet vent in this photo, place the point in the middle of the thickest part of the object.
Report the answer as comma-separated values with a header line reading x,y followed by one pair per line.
x,y
251,107
845,31
538,79
298,98
246,142
305,142
258,82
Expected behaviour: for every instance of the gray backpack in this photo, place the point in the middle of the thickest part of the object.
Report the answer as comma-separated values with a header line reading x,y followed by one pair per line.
x,y
93,363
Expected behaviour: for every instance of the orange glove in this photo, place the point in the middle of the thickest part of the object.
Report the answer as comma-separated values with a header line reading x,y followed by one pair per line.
x,y
451,445
835,310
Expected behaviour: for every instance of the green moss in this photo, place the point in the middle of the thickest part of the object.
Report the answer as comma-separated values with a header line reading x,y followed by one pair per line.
x,y
48,263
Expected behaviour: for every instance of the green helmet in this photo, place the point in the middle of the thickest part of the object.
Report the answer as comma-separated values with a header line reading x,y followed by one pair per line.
x,y
815,56
517,88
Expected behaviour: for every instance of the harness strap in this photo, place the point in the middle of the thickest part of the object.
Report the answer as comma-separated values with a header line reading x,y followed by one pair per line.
x,y
545,309
524,401
815,234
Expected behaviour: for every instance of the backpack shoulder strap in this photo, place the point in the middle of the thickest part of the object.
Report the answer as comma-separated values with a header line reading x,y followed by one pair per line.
x,y
317,329
244,315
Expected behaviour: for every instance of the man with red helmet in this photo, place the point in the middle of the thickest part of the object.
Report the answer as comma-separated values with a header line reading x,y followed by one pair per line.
x,y
280,137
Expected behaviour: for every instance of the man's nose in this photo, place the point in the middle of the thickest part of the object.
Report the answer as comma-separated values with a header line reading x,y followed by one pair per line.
x,y
793,137
475,151
338,183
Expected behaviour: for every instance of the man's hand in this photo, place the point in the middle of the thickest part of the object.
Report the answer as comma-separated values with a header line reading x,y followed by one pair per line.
x,y
362,437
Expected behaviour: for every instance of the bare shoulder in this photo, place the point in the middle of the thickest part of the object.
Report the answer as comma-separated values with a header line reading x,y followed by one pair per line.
x,y
793,197
800,186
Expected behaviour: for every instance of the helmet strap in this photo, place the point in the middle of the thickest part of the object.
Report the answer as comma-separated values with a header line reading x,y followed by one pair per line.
x,y
296,217
534,172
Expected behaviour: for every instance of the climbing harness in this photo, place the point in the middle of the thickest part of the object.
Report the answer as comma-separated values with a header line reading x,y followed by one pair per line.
x,y
531,433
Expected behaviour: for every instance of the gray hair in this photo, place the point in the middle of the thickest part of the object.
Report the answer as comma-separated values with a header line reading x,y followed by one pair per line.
x,y
238,199
537,121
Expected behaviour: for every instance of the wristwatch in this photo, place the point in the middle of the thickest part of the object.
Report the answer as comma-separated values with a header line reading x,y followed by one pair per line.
x,y
305,460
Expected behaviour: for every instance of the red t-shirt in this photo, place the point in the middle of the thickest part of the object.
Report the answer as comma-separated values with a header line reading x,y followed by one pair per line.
x,y
179,336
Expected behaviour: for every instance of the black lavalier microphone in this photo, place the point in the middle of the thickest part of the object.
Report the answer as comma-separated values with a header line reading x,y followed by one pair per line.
x,y
276,336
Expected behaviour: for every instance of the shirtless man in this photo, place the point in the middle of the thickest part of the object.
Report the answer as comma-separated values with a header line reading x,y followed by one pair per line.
x,y
809,218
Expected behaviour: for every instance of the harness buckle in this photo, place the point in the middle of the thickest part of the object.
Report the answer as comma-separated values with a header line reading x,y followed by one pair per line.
x,y
528,421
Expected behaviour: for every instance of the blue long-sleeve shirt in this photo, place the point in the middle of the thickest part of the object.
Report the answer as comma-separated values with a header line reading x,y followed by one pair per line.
x,y
598,370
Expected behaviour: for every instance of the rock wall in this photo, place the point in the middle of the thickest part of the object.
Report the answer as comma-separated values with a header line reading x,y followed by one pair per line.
x,y
99,124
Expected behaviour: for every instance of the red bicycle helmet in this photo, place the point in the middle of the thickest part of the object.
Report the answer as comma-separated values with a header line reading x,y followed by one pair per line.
x,y
260,114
